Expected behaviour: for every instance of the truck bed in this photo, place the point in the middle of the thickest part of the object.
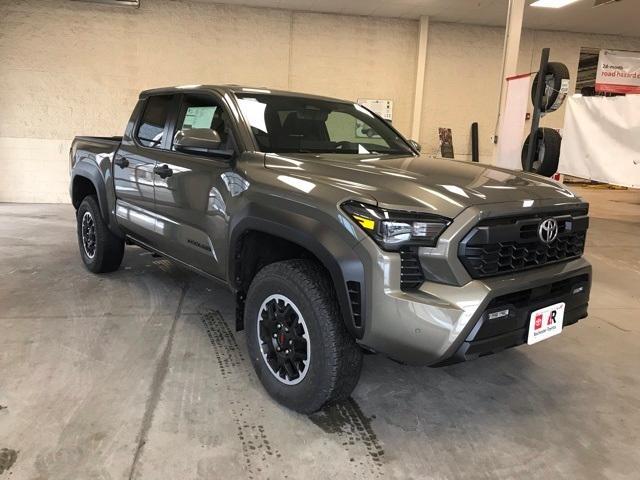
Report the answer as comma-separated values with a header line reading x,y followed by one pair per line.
x,y
92,148
88,138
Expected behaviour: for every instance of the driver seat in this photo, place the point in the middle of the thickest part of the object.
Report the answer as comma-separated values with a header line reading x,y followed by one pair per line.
x,y
296,129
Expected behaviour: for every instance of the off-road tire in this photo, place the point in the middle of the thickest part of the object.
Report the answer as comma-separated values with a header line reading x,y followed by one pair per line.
x,y
108,249
547,152
335,359
559,72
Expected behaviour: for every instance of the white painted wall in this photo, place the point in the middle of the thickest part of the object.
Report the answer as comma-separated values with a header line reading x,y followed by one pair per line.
x,y
71,68
463,72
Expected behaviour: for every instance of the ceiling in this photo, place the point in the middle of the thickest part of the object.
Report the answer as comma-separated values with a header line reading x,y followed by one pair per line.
x,y
618,18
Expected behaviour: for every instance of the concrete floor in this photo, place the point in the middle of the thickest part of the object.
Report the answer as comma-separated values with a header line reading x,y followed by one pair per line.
x,y
137,374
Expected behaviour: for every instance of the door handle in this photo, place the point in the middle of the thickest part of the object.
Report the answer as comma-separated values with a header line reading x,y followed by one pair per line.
x,y
122,162
163,171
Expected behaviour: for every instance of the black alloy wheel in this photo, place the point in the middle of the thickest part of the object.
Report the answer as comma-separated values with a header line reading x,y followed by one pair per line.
x,y
284,339
89,234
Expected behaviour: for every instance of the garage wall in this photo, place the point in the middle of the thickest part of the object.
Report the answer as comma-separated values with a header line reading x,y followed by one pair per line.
x,y
356,57
72,68
463,72
461,85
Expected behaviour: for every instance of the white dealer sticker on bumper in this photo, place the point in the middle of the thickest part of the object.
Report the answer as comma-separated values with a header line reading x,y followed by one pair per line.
x,y
545,323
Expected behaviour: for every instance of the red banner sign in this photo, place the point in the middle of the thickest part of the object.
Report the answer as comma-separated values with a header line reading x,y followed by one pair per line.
x,y
618,72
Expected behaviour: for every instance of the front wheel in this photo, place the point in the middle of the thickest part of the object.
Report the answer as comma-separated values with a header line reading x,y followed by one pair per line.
x,y
299,346
100,249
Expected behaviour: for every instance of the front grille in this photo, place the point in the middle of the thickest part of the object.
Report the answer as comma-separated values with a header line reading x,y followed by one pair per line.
x,y
411,275
525,298
511,244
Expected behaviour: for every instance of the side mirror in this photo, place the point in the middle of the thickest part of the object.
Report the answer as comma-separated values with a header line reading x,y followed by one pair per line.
x,y
415,145
200,141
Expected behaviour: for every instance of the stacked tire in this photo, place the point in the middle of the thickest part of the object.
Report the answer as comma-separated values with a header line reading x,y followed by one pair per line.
x,y
547,141
547,152
556,80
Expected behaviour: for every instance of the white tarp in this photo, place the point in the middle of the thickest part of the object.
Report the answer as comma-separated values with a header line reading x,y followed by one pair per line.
x,y
618,72
601,139
511,130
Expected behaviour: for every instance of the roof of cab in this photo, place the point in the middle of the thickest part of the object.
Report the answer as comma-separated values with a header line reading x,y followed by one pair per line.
x,y
234,89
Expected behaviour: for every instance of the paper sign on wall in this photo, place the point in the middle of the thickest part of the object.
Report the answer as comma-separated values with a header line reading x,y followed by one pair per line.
x,y
384,108
446,142
618,72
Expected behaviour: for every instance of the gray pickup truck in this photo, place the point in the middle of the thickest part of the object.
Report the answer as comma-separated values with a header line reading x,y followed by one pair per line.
x,y
333,242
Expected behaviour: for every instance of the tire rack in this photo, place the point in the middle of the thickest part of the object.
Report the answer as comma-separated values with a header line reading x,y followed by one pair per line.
x,y
537,113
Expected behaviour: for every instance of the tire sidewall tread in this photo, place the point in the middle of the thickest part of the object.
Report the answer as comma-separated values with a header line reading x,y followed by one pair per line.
x,y
552,142
336,359
109,248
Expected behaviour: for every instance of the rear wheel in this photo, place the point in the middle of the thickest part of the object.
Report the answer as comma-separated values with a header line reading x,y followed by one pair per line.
x,y
299,346
100,249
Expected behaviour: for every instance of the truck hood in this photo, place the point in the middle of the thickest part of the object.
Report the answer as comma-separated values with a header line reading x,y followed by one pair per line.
x,y
444,187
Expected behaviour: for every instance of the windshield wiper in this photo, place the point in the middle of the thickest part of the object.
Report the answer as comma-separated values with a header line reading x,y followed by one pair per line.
x,y
389,152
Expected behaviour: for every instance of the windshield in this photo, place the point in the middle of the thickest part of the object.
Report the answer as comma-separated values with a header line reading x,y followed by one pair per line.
x,y
285,124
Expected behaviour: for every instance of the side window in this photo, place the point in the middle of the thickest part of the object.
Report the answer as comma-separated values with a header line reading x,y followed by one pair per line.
x,y
154,118
201,111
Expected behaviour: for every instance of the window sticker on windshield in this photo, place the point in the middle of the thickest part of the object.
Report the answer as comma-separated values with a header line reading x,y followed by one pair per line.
x,y
198,117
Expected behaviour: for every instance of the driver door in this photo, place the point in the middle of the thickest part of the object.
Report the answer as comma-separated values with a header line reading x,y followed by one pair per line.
x,y
191,190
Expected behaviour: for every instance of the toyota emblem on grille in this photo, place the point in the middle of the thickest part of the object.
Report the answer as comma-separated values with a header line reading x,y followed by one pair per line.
x,y
548,230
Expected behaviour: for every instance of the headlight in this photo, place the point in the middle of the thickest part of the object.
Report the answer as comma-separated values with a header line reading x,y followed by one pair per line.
x,y
392,229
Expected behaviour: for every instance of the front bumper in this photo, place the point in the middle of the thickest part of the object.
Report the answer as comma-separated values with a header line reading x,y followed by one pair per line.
x,y
492,333
441,323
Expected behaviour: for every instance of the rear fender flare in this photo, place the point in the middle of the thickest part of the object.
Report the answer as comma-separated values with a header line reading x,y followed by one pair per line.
x,y
91,172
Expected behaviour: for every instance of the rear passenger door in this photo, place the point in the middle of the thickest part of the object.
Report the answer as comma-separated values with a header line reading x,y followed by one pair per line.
x,y
133,169
192,191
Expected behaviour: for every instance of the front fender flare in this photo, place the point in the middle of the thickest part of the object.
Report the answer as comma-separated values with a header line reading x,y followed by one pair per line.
x,y
334,251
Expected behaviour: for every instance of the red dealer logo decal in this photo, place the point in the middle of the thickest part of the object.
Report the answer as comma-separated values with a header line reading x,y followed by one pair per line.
x,y
538,325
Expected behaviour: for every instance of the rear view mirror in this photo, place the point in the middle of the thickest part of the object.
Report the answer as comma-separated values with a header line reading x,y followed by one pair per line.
x,y
200,141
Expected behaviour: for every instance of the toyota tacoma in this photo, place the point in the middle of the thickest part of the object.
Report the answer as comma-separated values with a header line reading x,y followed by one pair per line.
x,y
334,243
